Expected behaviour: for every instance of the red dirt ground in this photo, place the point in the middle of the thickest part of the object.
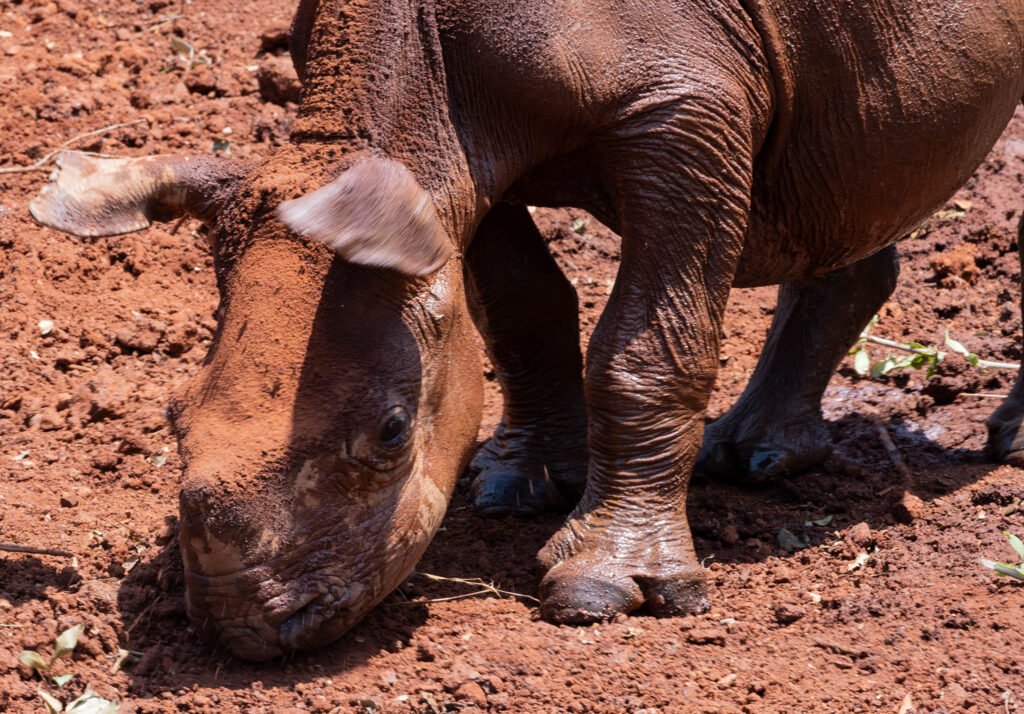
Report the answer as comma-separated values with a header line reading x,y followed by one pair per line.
x,y
88,465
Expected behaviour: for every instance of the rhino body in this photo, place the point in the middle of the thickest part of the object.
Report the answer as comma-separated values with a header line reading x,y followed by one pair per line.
x,y
729,143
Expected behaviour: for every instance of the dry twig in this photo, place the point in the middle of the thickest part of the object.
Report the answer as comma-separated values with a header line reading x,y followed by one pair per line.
x,y
13,548
839,649
484,589
41,164
890,447
982,363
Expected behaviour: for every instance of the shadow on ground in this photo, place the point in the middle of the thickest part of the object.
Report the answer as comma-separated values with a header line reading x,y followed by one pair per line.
x,y
731,524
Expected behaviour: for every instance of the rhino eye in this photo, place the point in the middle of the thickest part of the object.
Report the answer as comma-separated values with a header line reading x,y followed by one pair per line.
x,y
394,430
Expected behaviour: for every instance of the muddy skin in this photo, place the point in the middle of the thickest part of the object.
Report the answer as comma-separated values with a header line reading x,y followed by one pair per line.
x,y
333,481
528,313
729,144
776,427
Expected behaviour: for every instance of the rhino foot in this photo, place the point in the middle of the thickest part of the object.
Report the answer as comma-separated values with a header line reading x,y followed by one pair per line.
x,y
1005,436
512,476
598,569
758,449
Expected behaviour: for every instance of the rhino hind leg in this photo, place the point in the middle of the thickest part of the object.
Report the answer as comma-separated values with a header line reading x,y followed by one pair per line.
x,y
527,313
776,427
1005,435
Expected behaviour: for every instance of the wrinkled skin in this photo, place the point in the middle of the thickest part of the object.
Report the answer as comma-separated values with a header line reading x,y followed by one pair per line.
x,y
729,143
297,515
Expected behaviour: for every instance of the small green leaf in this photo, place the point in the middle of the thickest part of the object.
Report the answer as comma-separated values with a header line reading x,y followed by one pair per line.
x,y
1004,569
883,367
182,48
956,346
1016,544
53,705
972,359
870,326
34,660
862,362
904,361
789,542
67,641
61,679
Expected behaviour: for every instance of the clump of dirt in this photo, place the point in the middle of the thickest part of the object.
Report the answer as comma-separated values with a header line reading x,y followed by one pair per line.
x,y
956,267
832,591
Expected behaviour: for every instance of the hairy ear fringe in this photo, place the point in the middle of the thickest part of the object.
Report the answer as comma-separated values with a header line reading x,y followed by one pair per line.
x,y
374,214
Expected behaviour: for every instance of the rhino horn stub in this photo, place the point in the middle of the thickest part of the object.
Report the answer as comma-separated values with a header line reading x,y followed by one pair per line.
x,y
90,196
374,214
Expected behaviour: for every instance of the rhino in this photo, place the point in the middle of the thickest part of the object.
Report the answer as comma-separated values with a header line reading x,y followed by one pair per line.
x,y
728,142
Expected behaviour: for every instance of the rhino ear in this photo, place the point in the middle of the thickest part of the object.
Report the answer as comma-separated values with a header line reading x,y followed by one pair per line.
x,y
101,196
376,214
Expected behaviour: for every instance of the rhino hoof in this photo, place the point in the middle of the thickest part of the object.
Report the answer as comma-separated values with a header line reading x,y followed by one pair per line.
x,y
742,459
1005,436
575,598
503,492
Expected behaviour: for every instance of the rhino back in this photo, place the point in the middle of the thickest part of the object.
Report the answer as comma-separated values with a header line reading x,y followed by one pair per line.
x,y
894,104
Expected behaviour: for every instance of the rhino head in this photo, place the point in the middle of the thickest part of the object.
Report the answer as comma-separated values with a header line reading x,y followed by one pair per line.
x,y
340,398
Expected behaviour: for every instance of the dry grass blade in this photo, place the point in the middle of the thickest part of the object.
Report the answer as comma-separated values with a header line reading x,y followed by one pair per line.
x,y
41,164
143,613
484,588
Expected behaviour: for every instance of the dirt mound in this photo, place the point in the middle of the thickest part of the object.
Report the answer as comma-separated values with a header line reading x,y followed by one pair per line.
x,y
831,591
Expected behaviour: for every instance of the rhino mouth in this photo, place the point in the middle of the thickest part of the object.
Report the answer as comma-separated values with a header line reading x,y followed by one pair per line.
x,y
320,621
308,621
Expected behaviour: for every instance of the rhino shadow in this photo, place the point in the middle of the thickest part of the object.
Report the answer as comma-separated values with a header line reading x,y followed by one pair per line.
x,y
26,577
859,483
845,488
501,551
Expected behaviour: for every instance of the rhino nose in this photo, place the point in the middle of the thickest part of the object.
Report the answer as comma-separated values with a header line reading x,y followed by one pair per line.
x,y
218,535
193,503
216,505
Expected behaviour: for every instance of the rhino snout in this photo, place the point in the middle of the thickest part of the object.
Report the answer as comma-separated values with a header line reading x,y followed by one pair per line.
x,y
258,617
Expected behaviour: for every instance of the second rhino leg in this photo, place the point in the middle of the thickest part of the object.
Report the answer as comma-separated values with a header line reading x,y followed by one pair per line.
x,y
1006,425
776,427
527,312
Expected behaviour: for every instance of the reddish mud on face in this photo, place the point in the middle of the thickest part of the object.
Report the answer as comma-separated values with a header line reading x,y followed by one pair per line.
x,y
323,436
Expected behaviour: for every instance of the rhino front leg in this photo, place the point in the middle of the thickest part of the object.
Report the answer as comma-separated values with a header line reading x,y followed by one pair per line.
x,y
651,365
1005,435
776,426
527,312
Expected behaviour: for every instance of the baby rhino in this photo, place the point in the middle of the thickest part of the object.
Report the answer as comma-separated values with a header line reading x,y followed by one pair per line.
x,y
729,143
